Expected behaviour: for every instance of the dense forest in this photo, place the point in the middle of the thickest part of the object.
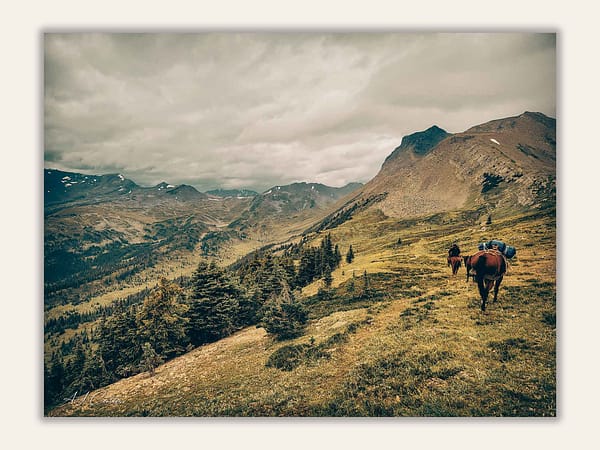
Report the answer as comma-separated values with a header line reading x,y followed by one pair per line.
x,y
144,330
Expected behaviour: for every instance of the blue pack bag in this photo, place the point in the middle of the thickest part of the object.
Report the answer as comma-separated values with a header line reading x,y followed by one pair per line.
x,y
509,252
501,245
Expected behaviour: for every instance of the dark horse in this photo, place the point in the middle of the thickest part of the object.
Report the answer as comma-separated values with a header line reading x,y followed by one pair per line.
x,y
467,260
489,267
454,262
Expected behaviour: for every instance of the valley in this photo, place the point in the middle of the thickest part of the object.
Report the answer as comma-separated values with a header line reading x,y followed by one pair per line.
x,y
388,332
420,346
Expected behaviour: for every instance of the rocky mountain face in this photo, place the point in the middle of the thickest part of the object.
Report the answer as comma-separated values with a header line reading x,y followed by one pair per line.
x,y
300,196
420,143
505,164
296,202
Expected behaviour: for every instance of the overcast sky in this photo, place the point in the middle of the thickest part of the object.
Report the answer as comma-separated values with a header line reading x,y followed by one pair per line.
x,y
253,110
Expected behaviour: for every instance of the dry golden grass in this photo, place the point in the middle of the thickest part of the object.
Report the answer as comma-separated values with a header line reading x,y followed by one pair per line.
x,y
421,347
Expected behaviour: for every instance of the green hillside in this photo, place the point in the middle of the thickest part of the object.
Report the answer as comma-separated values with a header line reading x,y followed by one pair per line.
x,y
395,334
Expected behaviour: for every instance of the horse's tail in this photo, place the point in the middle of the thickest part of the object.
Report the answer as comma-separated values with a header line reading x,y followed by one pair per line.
x,y
482,262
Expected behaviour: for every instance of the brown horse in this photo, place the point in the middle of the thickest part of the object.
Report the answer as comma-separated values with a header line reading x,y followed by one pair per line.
x,y
454,262
467,261
489,267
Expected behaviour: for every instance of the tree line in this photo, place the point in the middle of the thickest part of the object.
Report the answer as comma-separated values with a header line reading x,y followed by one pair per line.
x,y
135,337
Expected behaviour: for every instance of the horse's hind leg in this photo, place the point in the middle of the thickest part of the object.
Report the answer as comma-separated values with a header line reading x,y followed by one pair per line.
x,y
483,292
496,287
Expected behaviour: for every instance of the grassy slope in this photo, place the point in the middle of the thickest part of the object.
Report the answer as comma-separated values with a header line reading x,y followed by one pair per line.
x,y
422,348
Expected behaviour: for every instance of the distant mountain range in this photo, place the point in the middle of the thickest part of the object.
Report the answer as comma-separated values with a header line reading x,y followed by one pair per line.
x,y
107,225
500,167
232,193
69,187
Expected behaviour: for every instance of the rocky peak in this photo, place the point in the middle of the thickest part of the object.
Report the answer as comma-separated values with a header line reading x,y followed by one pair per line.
x,y
421,142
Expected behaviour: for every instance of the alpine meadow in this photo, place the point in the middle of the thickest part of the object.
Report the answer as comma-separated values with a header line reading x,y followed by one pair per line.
x,y
295,224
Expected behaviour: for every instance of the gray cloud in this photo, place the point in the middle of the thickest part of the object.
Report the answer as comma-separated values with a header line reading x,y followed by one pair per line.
x,y
258,109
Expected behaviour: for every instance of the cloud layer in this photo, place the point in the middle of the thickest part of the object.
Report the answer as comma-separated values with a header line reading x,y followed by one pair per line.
x,y
252,110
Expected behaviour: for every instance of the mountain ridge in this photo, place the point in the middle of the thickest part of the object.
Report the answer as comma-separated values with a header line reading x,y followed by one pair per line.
x,y
518,153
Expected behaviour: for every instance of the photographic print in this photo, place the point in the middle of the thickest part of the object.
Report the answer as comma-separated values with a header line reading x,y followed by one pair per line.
x,y
299,224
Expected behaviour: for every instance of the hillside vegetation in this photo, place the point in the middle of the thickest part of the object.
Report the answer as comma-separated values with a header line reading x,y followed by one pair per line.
x,y
308,300
395,334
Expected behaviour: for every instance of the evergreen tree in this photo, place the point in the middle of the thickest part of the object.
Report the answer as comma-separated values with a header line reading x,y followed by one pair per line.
x,y
270,277
328,257
118,342
213,304
284,316
270,280
307,269
338,255
249,304
94,374
248,307
287,264
317,262
74,367
54,373
150,359
350,255
161,320
327,278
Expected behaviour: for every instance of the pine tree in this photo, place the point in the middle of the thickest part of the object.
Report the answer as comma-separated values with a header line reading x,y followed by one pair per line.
x,y
350,255
270,281
307,270
328,257
213,304
327,278
249,304
284,316
287,264
94,374
74,367
118,342
150,359
270,278
338,255
54,373
161,320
